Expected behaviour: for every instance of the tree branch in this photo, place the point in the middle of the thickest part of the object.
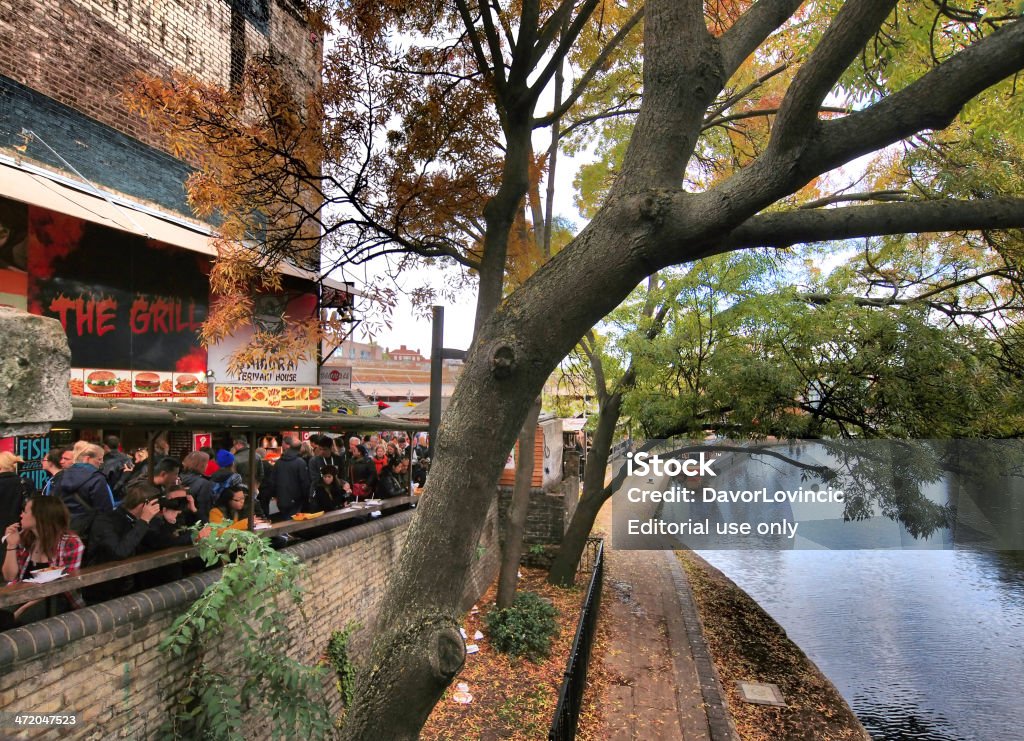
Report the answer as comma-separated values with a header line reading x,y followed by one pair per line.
x,y
596,366
571,128
877,195
795,227
751,29
494,43
682,76
498,72
930,102
595,67
855,23
756,112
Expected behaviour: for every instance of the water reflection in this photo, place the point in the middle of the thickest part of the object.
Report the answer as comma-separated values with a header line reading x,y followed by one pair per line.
x,y
924,645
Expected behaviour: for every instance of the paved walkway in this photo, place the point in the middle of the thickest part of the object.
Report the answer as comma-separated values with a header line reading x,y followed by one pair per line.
x,y
662,684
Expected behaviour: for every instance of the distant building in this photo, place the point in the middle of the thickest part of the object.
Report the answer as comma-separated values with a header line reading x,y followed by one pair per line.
x,y
405,355
351,352
392,376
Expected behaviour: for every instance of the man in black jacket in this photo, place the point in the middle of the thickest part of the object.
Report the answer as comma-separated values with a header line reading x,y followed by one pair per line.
x,y
287,482
116,464
324,456
118,534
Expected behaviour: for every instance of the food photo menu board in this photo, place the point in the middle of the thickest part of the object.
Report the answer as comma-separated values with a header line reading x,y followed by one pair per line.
x,y
304,398
126,384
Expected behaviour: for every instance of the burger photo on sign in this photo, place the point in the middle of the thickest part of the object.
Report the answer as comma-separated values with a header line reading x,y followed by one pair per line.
x,y
186,383
147,382
101,382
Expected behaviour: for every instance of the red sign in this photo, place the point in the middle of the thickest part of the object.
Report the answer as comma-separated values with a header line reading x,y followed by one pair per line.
x,y
202,440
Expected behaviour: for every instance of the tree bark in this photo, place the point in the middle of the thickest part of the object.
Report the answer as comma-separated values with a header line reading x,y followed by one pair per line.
x,y
519,507
646,224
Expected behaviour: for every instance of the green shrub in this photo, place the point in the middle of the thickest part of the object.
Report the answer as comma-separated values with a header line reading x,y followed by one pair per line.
x,y
525,628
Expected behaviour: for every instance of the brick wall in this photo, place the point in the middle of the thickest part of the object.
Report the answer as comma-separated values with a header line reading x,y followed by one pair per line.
x,y
99,152
103,663
76,56
546,520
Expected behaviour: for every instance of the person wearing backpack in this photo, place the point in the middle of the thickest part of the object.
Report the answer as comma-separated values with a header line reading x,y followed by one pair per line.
x,y
84,490
225,476
14,490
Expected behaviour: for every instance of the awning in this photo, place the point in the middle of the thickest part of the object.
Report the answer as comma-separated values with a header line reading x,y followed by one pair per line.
x,y
350,398
164,415
29,185
37,187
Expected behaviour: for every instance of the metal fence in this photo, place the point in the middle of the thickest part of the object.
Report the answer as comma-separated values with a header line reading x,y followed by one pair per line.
x,y
570,696
589,557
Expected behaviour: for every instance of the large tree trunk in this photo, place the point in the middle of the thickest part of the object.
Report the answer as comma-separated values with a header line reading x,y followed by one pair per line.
x,y
647,223
512,549
418,648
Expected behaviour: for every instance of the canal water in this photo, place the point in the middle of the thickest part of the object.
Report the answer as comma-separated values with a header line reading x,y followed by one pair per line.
x,y
925,645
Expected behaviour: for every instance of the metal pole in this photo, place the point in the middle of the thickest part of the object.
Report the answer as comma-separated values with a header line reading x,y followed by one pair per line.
x,y
151,453
436,356
251,483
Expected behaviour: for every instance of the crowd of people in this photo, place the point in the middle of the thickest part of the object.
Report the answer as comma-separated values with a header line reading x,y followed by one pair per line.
x,y
102,504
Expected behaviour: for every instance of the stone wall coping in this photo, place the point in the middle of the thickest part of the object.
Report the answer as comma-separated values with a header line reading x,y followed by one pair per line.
x,y
21,644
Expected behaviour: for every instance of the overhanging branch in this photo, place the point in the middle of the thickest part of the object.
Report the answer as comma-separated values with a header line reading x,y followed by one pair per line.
x,y
795,227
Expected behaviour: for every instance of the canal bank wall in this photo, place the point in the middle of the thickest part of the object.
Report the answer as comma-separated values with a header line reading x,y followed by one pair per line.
x,y
103,662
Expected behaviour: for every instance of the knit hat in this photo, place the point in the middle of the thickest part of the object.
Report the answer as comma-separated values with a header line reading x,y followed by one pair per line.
x,y
225,459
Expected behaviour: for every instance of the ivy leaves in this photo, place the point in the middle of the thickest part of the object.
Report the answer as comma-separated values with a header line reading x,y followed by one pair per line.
x,y
236,636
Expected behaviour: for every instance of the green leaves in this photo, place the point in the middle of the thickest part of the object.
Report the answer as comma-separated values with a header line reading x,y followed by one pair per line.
x,y
525,628
234,632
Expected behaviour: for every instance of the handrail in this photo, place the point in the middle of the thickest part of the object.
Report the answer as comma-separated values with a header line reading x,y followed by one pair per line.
x,y
574,680
16,594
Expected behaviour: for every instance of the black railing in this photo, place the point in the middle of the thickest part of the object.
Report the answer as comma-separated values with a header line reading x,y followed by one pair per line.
x,y
570,696
589,556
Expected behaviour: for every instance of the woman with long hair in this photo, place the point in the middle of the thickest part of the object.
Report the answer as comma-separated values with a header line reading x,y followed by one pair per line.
x,y
42,539
232,508
380,457
330,493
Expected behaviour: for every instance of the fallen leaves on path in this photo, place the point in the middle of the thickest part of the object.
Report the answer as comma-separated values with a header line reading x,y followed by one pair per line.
x,y
514,698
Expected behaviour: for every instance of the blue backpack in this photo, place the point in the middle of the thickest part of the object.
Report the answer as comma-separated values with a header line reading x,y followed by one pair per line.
x,y
234,479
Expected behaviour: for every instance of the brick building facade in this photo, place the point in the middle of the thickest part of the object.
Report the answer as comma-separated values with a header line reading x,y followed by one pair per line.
x,y
94,218
66,62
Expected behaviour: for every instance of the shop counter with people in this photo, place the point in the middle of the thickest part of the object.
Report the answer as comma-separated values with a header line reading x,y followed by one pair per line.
x,y
21,592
